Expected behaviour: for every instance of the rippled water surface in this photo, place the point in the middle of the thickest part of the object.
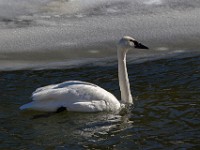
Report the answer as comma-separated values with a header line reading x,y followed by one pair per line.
x,y
165,115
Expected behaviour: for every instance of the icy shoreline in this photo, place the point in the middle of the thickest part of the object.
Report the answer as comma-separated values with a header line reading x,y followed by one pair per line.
x,y
94,35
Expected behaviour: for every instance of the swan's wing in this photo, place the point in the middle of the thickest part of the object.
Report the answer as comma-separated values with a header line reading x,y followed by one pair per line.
x,y
92,106
62,85
55,94
65,90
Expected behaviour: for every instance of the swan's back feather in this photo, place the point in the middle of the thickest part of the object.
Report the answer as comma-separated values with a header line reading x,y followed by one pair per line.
x,y
71,90
62,85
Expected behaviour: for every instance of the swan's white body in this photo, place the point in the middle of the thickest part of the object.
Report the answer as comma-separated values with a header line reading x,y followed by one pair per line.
x,y
81,96
74,96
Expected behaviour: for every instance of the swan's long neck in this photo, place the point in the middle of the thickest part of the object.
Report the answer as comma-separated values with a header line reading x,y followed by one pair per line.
x,y
124,85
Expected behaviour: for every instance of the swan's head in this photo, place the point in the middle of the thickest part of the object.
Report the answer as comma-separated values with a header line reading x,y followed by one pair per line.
x,y
128,42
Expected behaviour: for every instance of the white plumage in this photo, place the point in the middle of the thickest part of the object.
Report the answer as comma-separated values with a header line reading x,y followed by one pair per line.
x,y
82,96
74,96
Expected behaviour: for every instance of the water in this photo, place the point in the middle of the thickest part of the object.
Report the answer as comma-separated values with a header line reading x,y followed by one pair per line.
x,y
46,42
165,115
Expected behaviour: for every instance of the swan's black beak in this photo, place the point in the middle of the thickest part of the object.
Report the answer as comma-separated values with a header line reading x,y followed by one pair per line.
x,y
140,46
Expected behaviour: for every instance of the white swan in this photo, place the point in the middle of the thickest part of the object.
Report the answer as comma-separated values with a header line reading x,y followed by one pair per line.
x,y
82,96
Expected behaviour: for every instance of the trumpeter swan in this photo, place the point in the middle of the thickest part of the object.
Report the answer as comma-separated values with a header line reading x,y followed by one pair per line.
x,y
82,96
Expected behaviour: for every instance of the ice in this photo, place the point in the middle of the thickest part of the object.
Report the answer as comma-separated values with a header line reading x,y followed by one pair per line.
x,y
43,32
153,2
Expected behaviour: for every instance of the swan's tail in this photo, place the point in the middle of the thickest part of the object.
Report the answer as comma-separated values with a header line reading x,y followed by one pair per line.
x,y
26,106
41,106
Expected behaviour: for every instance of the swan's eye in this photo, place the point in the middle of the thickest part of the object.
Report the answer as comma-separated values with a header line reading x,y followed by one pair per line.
x,y
134,42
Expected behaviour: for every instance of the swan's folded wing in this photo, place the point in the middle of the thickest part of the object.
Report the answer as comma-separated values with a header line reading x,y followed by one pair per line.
x,y
44,88
60,85
55,94
88,106
61,90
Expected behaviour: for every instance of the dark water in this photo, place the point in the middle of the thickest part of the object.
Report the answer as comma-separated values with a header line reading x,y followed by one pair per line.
x,y
166,114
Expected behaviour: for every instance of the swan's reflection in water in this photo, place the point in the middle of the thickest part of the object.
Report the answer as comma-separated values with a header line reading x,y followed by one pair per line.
x,y
106,130
89,130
